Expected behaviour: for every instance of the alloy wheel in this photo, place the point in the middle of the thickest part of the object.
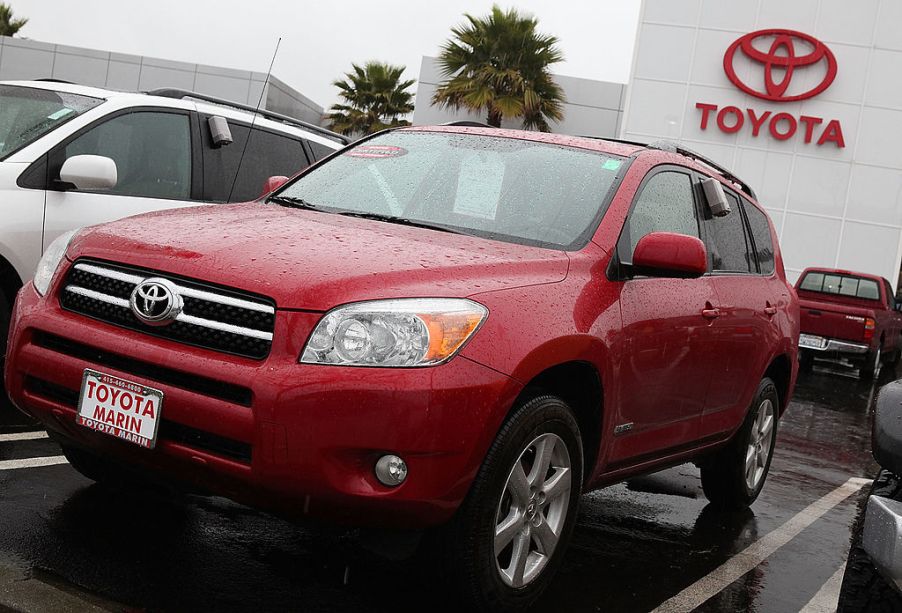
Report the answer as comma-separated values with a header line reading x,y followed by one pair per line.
x,y
532,511
760,445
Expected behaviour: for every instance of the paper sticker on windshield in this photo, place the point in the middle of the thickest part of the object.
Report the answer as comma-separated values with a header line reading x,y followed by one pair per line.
x,y
377,151
59,114
479,186
611,164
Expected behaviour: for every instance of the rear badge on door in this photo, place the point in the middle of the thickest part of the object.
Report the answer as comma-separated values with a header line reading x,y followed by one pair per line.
x,y
623,428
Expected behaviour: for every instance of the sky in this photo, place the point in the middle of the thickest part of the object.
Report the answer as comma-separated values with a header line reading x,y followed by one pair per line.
x,y
321,39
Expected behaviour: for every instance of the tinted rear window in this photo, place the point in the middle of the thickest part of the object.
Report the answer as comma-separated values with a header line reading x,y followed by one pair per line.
x,y
764,244
840,285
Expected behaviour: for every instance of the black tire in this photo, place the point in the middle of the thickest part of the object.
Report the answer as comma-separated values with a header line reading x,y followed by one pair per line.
x,y
806,360
467,542
870,368
895,356
864,590
724,474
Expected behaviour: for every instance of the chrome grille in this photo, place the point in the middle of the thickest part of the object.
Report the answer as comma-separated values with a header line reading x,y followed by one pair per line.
x,y
212,318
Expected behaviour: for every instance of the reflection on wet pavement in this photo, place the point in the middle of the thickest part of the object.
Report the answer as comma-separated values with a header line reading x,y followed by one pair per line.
x,y
636,544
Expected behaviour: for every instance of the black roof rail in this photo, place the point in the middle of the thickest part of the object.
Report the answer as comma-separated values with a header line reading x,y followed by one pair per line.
x,y
467,123
672,147
179,94
52,80
622,141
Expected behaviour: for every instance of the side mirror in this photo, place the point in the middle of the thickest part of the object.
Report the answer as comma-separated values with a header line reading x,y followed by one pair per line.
x,y
715,197
273,183
665,254
220,133
90,172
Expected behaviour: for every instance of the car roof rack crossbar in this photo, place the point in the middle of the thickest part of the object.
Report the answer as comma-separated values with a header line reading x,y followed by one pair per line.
x,y
179,94
672,147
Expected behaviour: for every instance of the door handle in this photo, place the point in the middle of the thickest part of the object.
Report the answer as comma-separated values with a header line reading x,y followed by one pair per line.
x,y
710,313
770,311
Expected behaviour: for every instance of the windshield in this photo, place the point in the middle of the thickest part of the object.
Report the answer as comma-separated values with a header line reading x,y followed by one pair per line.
x,y
840,285
503,188
27,113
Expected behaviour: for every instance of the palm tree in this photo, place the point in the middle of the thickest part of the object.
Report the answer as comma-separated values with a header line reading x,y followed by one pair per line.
x,y
8,25
374,98
499,64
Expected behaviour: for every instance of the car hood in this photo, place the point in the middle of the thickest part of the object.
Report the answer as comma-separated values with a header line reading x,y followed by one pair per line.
x,y
310,260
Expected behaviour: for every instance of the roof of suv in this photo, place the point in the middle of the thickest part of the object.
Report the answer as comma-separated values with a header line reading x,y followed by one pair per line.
x,y
205,103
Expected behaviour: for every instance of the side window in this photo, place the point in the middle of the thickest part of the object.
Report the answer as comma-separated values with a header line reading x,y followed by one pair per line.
x,y
665,204
728,243
890,298
764,245
152,151
267,155
319,151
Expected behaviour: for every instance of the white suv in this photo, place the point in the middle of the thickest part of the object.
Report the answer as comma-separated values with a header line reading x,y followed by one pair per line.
x,y
74,156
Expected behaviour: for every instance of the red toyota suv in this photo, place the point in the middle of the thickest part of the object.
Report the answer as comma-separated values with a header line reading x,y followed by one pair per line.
x,y
848,315
452,328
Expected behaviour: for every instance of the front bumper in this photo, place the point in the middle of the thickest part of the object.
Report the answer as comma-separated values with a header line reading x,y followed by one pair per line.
x,y
882,536
296,439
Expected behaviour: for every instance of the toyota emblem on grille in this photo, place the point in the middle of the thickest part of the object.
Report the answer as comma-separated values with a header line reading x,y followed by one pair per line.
x,y
156,302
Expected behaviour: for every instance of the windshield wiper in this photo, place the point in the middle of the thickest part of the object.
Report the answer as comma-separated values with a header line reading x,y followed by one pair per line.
x,y
298,203
402,221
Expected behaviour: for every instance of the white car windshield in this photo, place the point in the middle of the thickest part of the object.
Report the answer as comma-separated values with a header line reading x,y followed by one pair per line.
x,y
27,113
508,189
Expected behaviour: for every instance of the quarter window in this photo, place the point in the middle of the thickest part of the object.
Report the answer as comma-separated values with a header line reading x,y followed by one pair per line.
x,y
665,204
152,151
729,244
764,245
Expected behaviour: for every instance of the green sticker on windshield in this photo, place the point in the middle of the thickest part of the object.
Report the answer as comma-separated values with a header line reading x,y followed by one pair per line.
x,y
59,114
611,164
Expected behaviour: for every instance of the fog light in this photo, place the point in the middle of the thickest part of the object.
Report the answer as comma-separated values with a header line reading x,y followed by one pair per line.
x,y
391,470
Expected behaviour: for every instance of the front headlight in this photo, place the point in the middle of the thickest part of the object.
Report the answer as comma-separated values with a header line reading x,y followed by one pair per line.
x,y
50,261
403,332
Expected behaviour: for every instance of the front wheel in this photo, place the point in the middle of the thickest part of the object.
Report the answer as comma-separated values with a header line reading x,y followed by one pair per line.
x,y
508,538
734,476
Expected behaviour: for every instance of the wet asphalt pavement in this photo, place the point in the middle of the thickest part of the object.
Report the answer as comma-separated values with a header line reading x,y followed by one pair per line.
x,y
66,544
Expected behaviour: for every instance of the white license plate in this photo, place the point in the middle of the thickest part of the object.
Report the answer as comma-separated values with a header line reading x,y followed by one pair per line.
x,y
120,408
812,341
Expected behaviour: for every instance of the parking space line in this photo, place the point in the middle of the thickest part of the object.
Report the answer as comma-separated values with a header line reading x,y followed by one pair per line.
x,y
827,597
32,462
23,436
717,580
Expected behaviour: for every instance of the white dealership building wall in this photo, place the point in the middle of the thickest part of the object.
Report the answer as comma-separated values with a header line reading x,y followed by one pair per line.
x,y
832,206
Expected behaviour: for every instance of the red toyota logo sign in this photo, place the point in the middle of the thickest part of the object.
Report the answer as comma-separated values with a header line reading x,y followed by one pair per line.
x,y
780,63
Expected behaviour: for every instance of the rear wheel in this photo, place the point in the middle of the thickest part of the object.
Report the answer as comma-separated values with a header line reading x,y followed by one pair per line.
x,y
873,362
508,538
806,360
734,476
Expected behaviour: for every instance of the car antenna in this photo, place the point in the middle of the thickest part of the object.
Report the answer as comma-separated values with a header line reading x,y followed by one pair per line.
x,y
254,119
